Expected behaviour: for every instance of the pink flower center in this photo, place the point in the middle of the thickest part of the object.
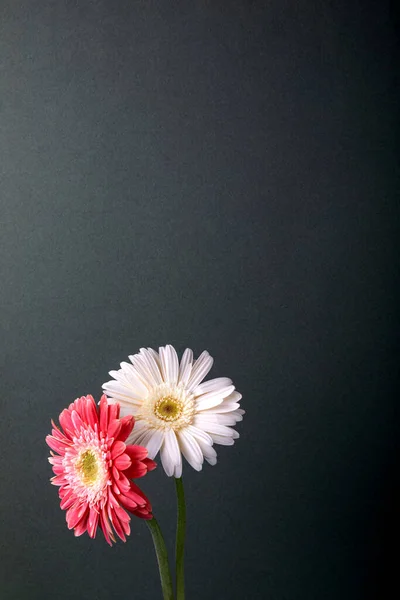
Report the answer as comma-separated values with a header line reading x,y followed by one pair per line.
x,y
86,466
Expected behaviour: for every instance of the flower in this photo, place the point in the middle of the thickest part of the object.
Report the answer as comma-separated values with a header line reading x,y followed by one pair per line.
x,y
174,412
94,467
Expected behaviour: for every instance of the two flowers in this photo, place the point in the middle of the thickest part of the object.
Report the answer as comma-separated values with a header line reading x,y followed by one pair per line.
x,y
165,408
154,404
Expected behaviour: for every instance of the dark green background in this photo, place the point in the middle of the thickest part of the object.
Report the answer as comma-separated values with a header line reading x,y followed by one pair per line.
x,y
218,175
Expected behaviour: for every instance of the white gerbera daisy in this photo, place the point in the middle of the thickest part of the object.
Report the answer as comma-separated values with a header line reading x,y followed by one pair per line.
x,y
174,412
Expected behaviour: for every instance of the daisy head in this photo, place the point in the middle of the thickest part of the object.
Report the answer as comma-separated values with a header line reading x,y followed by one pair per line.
x,y
174,412
93,466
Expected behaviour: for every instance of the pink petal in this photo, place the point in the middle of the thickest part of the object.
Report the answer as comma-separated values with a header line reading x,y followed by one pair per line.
x,y
92,522
75,514
59,435
90,414
122,462
137,469
143,513
117,449
56,445
116,524
103,413
124,519
136,490
114,427
127,502
59,479
66,423
150,464
81,527
68,499
106,527
123,483
136,452
127,424
76,420
113,412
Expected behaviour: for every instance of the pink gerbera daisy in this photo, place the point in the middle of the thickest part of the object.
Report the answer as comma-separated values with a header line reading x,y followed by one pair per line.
x,y
94,467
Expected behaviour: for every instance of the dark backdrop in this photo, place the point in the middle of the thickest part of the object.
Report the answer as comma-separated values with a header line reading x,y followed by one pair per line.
x,y
216,175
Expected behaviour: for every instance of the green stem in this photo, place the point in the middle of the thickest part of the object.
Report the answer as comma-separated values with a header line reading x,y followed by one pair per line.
x,y
162,559
180,540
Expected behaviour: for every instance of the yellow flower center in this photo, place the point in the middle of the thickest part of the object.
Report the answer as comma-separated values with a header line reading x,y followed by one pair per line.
x,y
89,467
168,408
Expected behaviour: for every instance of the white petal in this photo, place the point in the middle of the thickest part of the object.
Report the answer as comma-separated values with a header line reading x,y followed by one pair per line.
x,y
186,366
190,449
139,426
170,453
114,374
213,398
205,444
155,356
135,437
210,455
142,370
152,364
163,362
225,407
199,435
169,363
137,371
237,415
234,397
178,468
166,460
227,419
173,364
220,413
131,404
116,388
221,439
211,427
213,385
154,443
120,376
147,368
200,369
134,378
128,409
140,437
206,417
